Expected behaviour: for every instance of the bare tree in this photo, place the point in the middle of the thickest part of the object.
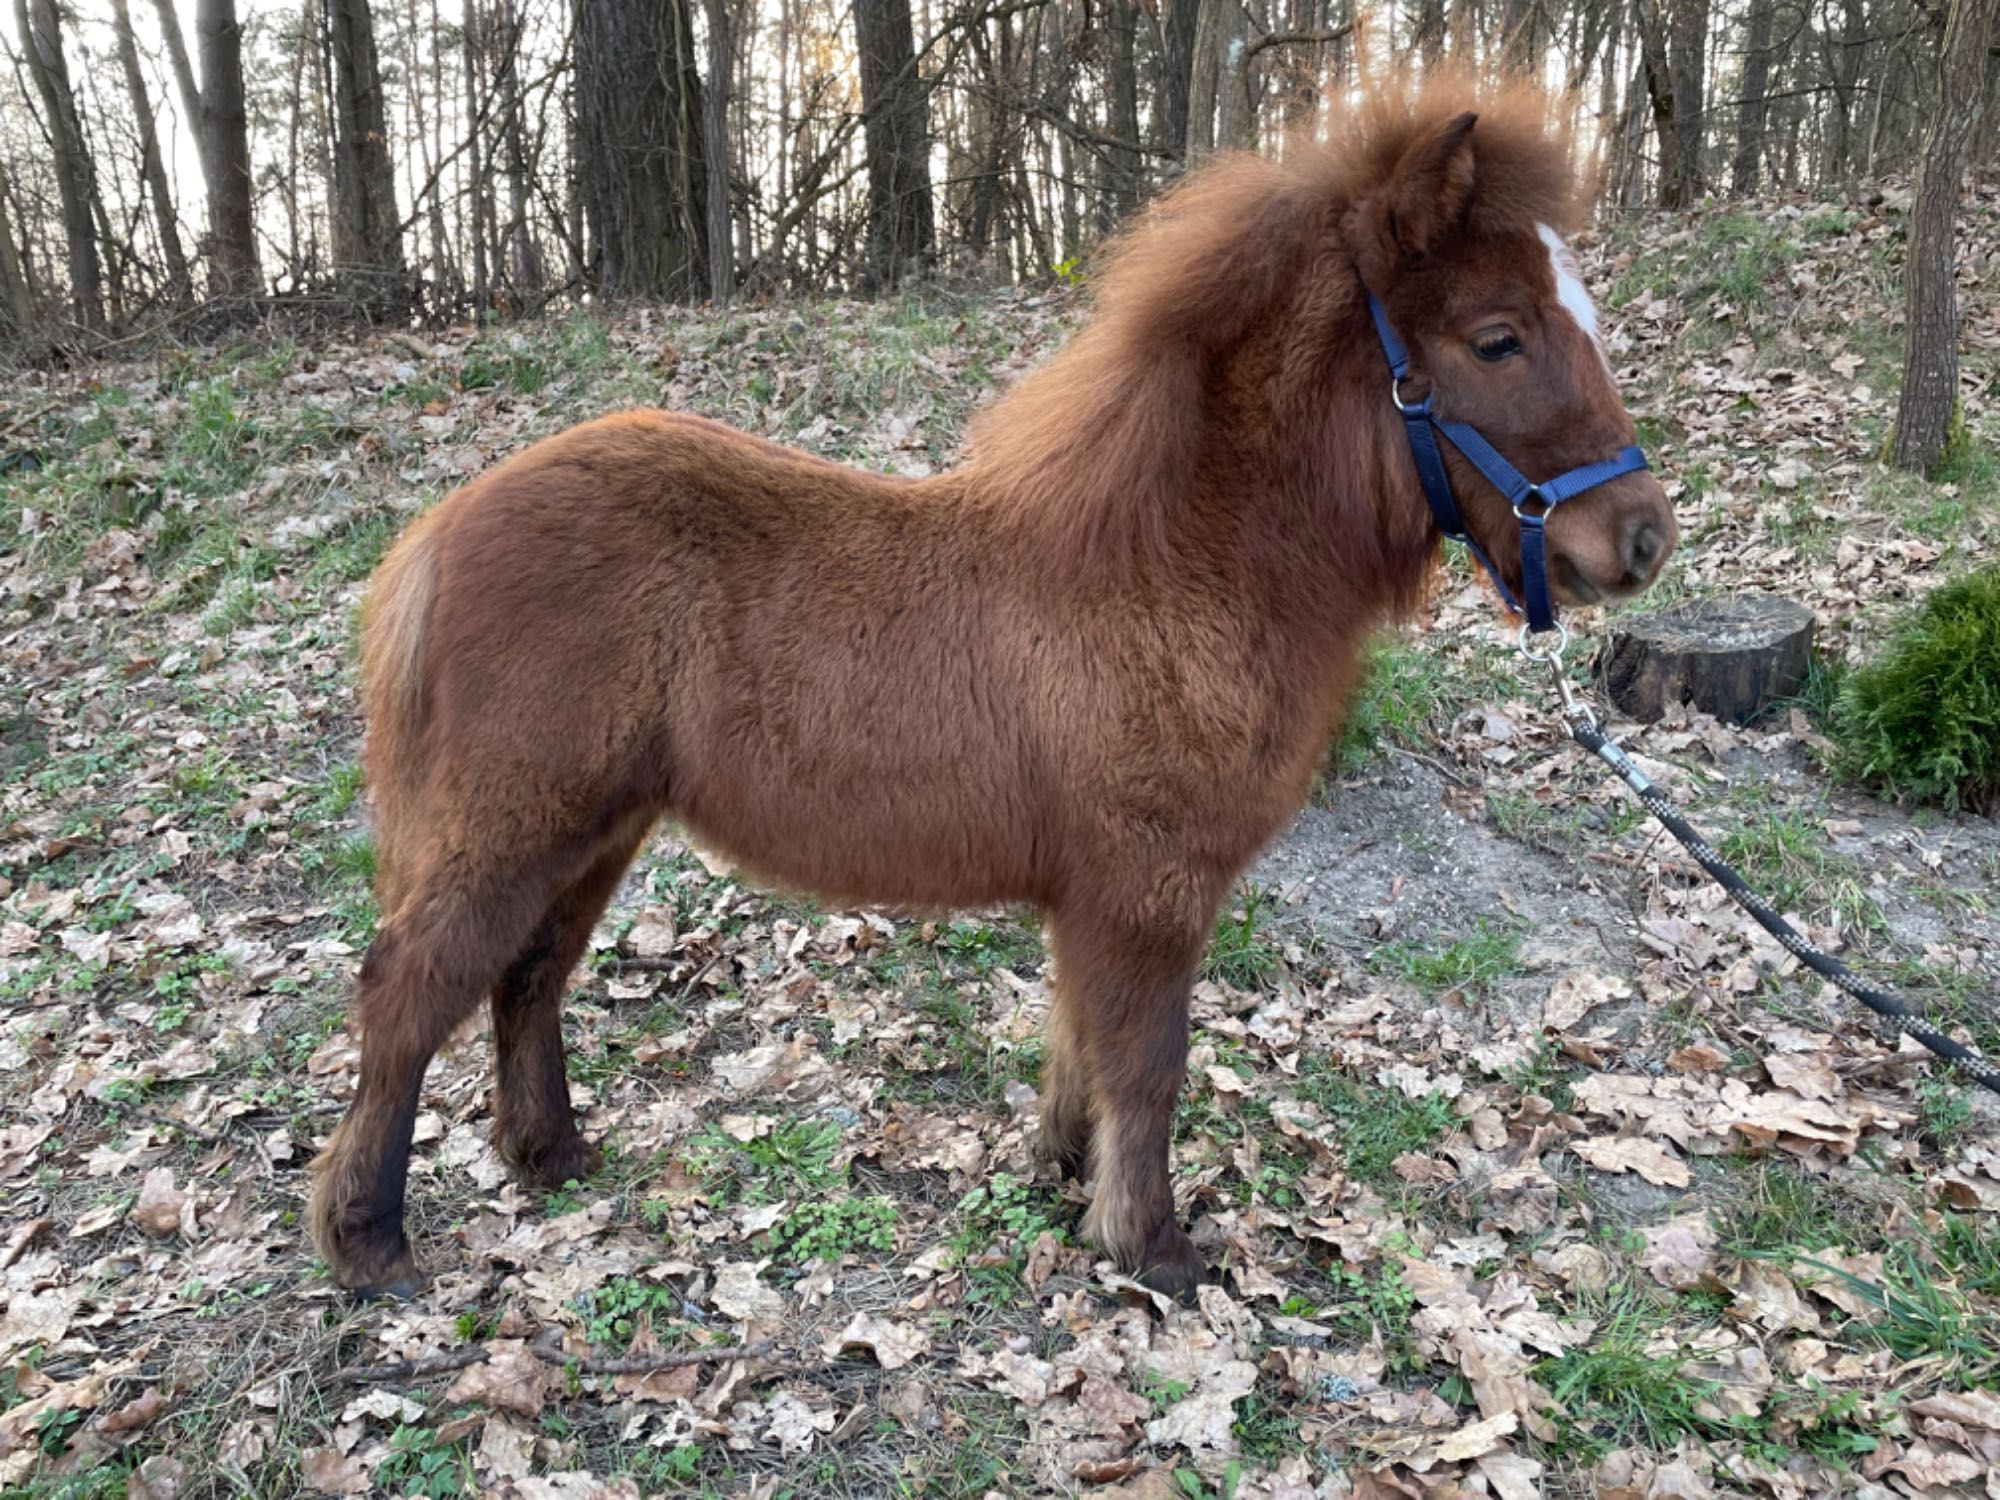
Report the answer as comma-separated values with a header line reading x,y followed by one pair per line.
x,y
221,125
1687,62
715,145
901,235
1753,107
17,305
1928,404
41,35
639,164
367,231
153,170
524,263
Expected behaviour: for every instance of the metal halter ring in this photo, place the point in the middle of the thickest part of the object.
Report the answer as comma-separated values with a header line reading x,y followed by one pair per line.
x,y
1553,654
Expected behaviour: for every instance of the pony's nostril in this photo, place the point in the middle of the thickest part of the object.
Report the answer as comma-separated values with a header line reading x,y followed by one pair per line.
x,y
1643,546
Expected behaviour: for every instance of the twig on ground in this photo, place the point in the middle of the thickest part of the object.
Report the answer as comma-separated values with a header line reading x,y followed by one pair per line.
x,y
412,1369
207,1138
1447,772
549,1351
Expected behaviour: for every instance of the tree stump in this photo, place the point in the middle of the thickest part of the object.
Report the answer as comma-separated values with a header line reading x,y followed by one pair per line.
x,y
1729,657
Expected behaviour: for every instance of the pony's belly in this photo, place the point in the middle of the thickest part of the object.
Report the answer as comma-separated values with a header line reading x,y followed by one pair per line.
x,y
867,851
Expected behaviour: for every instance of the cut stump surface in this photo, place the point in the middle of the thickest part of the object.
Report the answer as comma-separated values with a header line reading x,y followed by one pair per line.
x,y
1730,657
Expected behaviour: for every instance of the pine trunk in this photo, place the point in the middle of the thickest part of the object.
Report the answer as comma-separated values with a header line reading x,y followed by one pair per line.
x,y
367,231
152,169
715,145
1751,112
41,35
642,178
225,137
902,237
1927,408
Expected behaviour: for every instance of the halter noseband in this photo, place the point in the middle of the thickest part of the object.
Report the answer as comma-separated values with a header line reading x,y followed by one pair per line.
x,y
1424,424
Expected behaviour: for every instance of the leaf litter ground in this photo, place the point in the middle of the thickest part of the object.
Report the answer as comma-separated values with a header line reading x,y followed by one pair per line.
x,y
1530,1166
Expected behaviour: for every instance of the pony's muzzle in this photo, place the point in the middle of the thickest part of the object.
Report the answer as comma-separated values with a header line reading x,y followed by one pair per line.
x,y
1611,544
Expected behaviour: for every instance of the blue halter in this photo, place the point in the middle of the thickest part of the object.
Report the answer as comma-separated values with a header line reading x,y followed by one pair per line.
x,y
1424,424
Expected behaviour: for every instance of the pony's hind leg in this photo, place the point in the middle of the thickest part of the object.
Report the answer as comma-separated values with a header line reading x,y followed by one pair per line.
x,y
424,974
534,1129
1132,983
1065,1137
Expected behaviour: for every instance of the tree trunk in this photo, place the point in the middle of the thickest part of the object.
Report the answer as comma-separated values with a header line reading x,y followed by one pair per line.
x,y
1122,168
524,265
223,125
482,287
1850,51
715,145
1660,93
367,231
1205,81
41,36
1928,406
1182,22
642,180
1427,32
1687,60
152,170
902,237
1236,125
17,305
1751,112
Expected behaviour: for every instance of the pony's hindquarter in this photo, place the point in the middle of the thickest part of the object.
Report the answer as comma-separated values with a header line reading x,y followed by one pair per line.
x,y
652,615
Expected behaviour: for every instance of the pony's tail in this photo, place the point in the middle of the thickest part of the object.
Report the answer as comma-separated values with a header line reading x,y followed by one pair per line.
x,y
395,695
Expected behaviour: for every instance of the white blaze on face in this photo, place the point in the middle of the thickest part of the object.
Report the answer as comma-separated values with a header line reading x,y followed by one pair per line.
x,y
1569,289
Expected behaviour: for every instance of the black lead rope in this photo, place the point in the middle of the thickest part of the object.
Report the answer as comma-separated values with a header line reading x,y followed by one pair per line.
x,y
1583,728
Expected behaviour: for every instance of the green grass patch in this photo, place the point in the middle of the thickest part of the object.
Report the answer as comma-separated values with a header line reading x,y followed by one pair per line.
x,y
820,1230
998,1224
1787,858
1377,1124
1921,721
420,1463
1472,962
794,1159
1405,692
1630,1384
1917,1311
1243,951
1765,1205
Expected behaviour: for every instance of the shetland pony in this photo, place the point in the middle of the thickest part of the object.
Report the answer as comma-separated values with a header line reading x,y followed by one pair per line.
x,y
1091,670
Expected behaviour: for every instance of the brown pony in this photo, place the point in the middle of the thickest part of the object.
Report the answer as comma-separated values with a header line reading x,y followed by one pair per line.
x,y
1092,669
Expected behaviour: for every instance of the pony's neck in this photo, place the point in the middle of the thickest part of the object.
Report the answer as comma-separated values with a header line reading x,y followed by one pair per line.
x,y
1271,467
1308,470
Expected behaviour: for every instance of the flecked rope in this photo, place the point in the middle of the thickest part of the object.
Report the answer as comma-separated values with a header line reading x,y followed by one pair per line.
x,y
1583,728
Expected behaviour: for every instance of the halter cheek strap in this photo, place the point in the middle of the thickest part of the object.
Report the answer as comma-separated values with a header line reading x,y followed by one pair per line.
x,y
1423,425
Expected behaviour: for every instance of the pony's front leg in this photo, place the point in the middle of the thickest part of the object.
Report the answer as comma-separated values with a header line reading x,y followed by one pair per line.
x,y
1129,982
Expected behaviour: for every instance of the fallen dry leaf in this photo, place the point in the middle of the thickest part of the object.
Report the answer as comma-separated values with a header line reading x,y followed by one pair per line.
x,y
1649,1159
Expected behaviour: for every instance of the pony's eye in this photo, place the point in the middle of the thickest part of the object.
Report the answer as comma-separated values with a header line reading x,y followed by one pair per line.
x,y
1496,346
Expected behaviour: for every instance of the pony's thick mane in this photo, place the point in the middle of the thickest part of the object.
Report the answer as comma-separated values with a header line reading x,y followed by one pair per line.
x,y
1101,442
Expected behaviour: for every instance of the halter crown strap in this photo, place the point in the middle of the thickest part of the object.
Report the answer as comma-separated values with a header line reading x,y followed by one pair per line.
x,y
1422,424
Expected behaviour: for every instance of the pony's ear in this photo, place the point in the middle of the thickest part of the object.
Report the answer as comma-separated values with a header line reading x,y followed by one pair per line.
x,y
1424,198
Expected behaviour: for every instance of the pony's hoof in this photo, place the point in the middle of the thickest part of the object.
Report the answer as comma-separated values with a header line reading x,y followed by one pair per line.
x,y
401,1287
376,1269
550,1165
1175,1269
